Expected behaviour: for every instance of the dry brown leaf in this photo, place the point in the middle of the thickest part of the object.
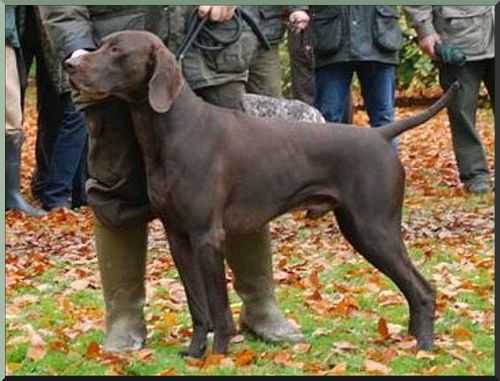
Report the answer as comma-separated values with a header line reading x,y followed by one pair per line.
x,y
374,367
337,369
301,348
244,358
37,350
461,333
170,319
213,360
383,330
425,355
93,350
388,354
79,285
168,372
283,358
344,345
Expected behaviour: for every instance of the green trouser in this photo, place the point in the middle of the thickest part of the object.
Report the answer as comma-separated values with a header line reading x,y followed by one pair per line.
x,y
469,151
117,194
264,77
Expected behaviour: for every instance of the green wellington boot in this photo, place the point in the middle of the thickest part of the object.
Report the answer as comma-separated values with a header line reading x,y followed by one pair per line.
x,y
13,197
250,260
121,253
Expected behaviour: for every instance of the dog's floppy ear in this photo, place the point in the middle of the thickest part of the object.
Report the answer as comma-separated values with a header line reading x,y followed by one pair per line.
x,y
166,82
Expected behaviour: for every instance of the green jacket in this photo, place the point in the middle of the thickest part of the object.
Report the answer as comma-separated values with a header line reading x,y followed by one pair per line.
x,y
470,28
81,27
269,18
356,33
11,34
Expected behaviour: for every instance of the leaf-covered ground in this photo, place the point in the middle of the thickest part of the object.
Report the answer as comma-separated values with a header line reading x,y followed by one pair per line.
x,y
353,317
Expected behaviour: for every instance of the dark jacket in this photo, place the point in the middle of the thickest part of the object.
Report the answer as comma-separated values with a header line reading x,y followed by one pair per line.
x,y
11,34
270,19
81,27
356,33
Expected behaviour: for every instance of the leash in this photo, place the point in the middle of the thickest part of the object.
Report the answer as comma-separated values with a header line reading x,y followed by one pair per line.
x,y
200,35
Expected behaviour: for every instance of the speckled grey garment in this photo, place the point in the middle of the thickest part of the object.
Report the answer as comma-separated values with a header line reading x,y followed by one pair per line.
x,y
268,107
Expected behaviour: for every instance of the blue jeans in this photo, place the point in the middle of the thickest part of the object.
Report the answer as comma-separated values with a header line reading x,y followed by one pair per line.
x,y
378,85
67,172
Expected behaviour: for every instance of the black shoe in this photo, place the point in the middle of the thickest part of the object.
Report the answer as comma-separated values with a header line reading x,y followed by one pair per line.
x,y
13,197
479,185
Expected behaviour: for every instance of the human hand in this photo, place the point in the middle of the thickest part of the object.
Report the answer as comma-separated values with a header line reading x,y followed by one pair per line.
x,y
428,44
216,13
299,20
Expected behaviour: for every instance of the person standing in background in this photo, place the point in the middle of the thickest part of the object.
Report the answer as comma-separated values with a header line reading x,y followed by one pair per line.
x,y
14,119
471,29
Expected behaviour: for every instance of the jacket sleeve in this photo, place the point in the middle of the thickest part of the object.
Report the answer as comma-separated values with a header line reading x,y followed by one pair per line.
x,y
420,17
294,8
68,27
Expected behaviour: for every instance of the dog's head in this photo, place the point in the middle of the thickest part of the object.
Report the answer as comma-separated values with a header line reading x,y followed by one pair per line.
x,y
130,65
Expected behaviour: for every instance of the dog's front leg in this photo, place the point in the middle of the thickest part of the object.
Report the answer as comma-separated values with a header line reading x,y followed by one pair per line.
x,y
190,271
208,246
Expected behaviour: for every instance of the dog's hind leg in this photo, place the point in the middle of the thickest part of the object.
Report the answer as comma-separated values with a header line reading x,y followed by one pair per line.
x,y
378,238
209,248
190,272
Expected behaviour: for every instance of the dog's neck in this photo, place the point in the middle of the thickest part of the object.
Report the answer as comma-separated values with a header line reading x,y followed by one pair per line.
x,y
157,132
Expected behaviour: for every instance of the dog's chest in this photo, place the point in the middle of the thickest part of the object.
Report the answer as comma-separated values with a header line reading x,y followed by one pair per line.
x,y
161,181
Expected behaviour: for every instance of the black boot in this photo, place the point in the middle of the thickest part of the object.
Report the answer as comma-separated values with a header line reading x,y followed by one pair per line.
x,y
13,196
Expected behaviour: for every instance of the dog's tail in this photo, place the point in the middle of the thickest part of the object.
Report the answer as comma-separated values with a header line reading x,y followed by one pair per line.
x,y
394,129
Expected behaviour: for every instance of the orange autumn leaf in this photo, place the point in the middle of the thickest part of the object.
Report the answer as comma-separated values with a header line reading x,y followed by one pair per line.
x,y
383,329
93,350
244,358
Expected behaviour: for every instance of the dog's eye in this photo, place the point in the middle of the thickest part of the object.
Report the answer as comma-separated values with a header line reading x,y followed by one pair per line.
x,y
115,49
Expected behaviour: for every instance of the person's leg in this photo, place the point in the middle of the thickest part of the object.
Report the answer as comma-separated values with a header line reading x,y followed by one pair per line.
x,y
489,81
249,256
469,152
78,193
49,105
66,157
117,195
14,137
378,88
264,75
300,50
333,84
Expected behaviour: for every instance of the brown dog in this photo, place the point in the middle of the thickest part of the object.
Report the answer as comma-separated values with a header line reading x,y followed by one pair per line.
x,y
212,170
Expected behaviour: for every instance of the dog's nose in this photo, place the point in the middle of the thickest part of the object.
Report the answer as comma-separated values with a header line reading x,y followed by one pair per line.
x,y
72,64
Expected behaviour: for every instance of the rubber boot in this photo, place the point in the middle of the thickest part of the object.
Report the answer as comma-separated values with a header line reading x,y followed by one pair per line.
x,y
121,254
13,197
250,259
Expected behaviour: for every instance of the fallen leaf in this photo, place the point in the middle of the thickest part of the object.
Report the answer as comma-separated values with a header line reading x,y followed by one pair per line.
x,y
93,350
79,285
37,350
244,358
282,358
425,355
301,348
461,333
388,354
344,345
374,367
168,372
383,330
337,369
213,360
